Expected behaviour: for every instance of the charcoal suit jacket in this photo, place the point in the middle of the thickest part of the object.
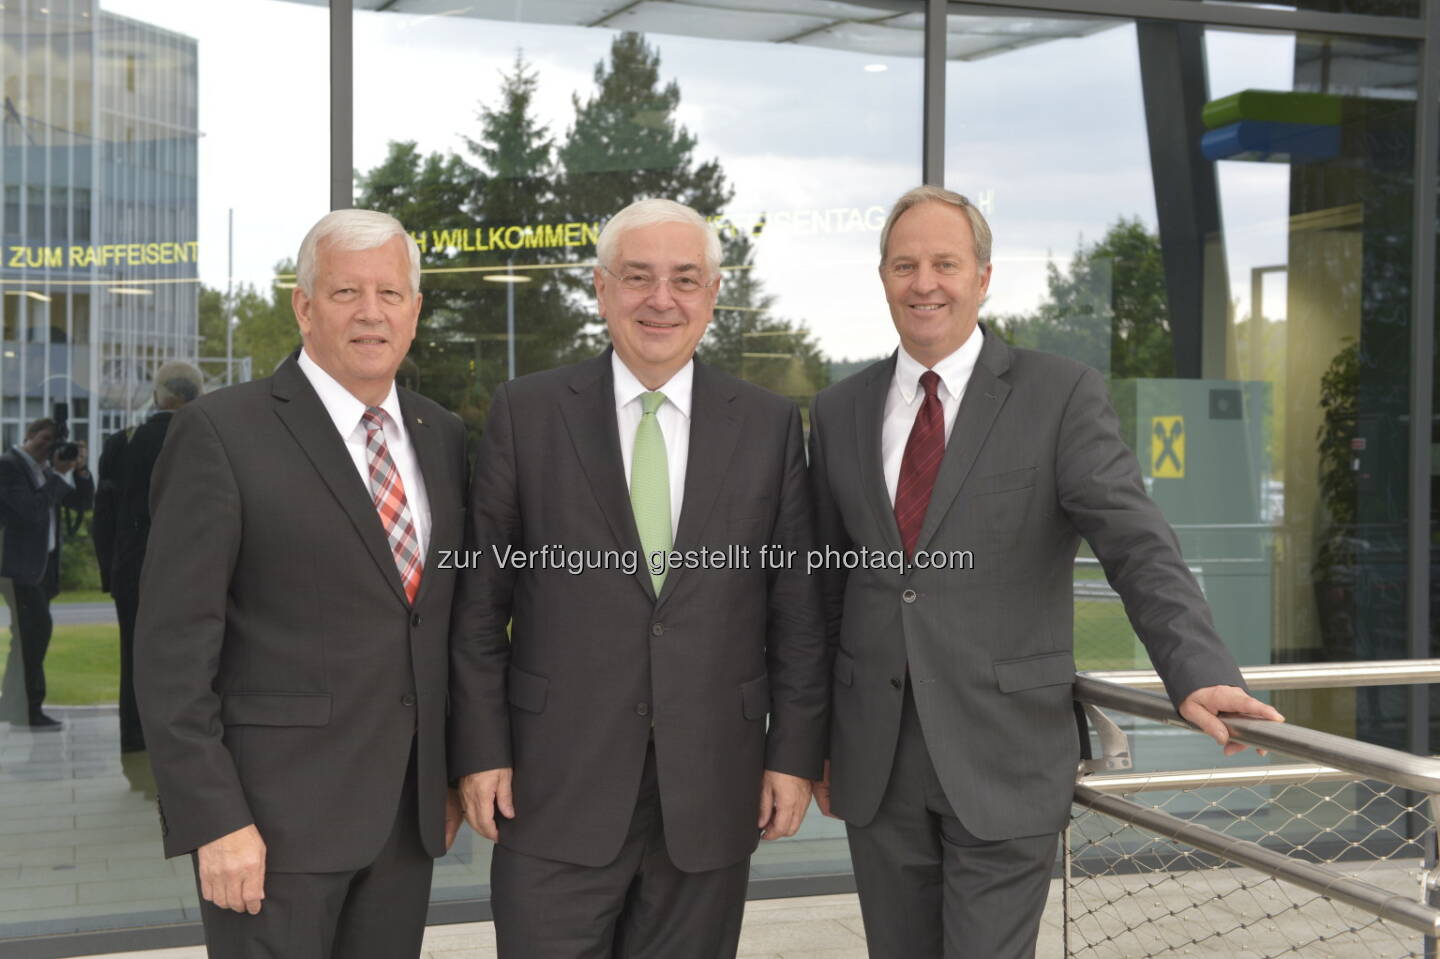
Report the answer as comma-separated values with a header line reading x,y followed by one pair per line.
x,y
282,675
596,664
1034,462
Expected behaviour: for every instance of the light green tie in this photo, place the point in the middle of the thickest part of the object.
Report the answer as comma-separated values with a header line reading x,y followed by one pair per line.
x,y
650,484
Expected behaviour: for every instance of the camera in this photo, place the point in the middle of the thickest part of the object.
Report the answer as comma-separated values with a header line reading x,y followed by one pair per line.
x,y
62,448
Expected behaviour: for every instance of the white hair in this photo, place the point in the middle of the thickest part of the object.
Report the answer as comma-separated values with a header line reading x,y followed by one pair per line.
x,y
649,212
979,228
176,384
353,230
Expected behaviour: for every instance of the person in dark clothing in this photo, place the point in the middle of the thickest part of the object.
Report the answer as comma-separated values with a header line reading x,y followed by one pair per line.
x,y
34,483
175,385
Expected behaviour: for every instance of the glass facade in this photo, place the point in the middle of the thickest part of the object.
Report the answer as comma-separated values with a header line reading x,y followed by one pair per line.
x,y
1219,213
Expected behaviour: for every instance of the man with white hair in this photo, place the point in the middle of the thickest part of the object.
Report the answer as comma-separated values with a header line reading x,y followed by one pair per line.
x,y
291,644
124,492
615,741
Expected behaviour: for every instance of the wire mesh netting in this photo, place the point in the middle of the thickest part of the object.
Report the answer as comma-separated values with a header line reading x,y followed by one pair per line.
x,y
1130,893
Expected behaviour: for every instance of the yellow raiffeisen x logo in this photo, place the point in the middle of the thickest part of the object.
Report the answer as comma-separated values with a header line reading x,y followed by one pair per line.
x,y
1167,447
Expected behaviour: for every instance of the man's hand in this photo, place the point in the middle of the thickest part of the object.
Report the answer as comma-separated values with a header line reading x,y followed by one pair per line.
x,y
822,792
482,794
783,801
232,870
454,816
1204,706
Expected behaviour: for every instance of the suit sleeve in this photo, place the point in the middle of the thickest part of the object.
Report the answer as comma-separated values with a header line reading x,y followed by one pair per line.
x,y
1100,488
830,534
21,502
82,495
795,637
479,734
180,634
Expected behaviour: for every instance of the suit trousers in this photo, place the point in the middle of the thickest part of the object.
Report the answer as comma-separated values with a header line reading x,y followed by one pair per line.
x,y
126,592
929,889
641,906
30,630
377,912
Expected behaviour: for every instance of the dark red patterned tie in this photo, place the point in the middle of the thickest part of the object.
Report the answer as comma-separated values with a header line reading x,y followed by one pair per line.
x,y
921,463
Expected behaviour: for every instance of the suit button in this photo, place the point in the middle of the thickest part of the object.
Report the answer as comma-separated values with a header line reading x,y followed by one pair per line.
x,y
897,683
909,595
643,709
408,699
415,620
658,629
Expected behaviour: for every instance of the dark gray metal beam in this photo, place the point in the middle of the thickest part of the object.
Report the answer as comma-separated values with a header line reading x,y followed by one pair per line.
x,y
1187,197
932,155
342,104
1221,15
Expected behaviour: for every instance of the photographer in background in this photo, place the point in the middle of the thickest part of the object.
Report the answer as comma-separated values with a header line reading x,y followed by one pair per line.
x,y
36,478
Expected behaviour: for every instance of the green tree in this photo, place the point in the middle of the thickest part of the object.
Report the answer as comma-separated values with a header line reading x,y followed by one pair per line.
x,y
626,143
1107,309
265,327
745,340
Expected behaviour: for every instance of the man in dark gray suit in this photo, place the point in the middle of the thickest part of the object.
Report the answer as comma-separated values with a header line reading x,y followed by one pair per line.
x,y
620,730
291,647
953,746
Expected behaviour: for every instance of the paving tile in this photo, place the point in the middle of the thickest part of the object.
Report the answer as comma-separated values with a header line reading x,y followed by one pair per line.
x,y
28,898
780,937
57,855
17,826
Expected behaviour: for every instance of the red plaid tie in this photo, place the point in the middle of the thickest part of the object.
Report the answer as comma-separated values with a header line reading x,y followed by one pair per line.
x,y
388,491
921,463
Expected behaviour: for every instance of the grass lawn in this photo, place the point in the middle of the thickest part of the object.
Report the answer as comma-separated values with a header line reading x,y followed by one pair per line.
x,y
82,667
81,596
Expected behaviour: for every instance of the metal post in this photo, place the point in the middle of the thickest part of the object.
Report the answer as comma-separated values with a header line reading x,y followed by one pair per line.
x,y
932,161
342,104
510,316
230,307
1422,391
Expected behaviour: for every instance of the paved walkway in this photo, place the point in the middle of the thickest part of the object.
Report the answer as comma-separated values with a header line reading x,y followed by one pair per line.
x,y
817,927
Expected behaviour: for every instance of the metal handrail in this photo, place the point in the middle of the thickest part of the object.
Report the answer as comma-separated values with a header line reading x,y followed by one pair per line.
x,y
1279,774
1420,773
1382,672
1318,879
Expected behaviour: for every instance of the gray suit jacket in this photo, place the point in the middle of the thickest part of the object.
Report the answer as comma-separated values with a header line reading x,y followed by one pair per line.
x,y
592,659
281,674
1033,463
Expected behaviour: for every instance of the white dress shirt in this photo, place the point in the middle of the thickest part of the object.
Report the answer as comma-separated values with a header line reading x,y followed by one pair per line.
x,y
347,412
37,475
673,417
902,403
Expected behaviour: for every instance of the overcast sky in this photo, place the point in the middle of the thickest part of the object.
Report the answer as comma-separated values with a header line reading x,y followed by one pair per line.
x,y
1050,138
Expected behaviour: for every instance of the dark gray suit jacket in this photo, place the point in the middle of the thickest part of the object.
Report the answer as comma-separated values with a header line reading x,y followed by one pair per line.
x,y
26,512
281,674
593,658
1033,463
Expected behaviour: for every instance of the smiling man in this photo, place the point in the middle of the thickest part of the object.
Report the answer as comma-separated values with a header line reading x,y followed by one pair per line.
x,y
615,743
954,746
291,648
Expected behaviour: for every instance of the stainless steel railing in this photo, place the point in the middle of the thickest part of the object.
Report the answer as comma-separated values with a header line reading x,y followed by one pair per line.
x,y
1327,758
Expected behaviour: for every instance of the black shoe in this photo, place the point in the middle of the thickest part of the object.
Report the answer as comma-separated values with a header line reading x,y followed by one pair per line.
x,y
40,723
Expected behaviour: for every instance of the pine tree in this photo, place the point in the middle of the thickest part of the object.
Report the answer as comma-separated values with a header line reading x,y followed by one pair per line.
x,y
625,143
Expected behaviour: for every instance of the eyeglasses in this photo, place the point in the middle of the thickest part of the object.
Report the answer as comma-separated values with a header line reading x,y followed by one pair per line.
x,y
682,285
908,268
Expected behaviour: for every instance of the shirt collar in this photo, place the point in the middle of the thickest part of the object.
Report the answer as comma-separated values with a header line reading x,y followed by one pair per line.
x,y
342,405
31,461
954,370
677,389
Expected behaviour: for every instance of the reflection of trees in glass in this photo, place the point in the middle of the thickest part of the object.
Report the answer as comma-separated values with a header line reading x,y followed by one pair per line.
x,y
623,144
1334,570
265,327
1107,309
746,341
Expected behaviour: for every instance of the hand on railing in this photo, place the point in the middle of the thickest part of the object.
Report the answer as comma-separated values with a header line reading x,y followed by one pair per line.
x,y
1204,706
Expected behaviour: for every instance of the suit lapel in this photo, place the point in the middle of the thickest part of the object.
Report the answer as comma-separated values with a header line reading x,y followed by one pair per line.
x,y
589,413
714,431
425,441
300,409
984,396
869,422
